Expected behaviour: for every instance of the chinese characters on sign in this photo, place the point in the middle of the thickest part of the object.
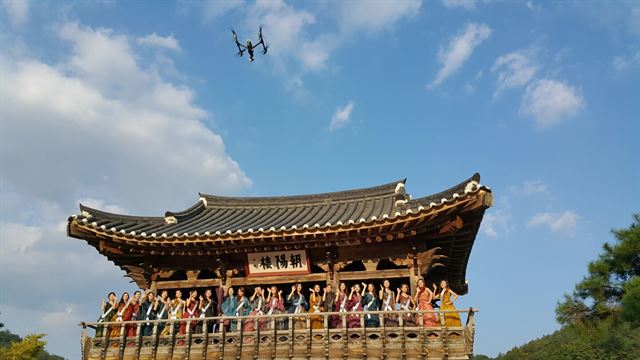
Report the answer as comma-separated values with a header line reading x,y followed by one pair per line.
x,y
278,262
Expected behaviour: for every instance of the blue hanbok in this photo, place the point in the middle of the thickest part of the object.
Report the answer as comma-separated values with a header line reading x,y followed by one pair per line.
x,y
298,305
370,303
229,307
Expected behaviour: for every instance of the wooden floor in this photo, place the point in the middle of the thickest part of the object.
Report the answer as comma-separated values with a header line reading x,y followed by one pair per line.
x,y
369,343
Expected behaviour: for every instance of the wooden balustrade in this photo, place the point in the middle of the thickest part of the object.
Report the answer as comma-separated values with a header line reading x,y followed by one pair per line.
x,y
383,342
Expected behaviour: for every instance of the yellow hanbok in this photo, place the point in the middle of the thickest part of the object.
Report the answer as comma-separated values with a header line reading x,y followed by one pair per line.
x,y
175,312
452,318
317,322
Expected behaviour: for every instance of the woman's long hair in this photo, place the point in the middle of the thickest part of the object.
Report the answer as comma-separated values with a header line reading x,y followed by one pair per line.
x,y
122,302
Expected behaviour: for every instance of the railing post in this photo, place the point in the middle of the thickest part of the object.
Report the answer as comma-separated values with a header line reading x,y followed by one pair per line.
x,y
224,340
326,336
275,338
383,337
422,337
291,335
205,330
256,345
172,332
404,346
123,341
444,335
107,334
241,333
138,339
345,345
364,336
156,339
308,321
84,341
187,346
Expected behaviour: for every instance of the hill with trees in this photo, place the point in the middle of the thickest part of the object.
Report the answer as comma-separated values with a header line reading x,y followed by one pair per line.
x,y
12,347
601,317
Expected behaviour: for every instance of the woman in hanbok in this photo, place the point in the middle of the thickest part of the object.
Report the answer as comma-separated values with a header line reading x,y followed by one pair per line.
x,y
423,298
447,297
275,305
228,307
354,304
175,312
190,312
404,302
340,306
297,305
163,303
388,303
108,308
328,303
118,314
370,303
207,308
242,309
132,314
148,312
315,305
257,304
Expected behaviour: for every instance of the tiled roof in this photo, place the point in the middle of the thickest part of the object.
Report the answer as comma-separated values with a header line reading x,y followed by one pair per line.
x,y
214,216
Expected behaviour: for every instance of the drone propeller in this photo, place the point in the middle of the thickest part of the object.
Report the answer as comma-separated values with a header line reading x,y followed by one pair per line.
x,y
240,46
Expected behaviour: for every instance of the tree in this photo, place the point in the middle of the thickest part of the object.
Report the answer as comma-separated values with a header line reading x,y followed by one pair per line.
x,y
26,349
612,285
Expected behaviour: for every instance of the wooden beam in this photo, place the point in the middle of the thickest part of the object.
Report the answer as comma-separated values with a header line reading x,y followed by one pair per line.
x,y
182,284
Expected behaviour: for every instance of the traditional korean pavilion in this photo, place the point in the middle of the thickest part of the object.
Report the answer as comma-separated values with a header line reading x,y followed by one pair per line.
x,y
370,234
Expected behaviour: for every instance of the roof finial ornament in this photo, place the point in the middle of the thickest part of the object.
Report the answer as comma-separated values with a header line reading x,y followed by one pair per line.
x,y
471,186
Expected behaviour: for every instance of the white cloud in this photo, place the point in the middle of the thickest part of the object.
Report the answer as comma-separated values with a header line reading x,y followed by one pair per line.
x,y
499,221
17,238
550,102
466,4
624,63
100,204
164,42
374,16
17,10
213,9
535,187
564,223
290,33
341,117
531,187
284,32
108,126
515,69
459,50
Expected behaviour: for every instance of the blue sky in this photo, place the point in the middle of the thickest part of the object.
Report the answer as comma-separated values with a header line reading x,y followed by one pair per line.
x,y
135,108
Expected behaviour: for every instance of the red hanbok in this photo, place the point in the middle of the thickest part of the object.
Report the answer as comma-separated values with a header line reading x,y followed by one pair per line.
x,y
131,313
354,304
190,312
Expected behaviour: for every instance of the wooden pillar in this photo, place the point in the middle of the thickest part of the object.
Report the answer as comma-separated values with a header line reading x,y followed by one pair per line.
x,y
413,270
154,287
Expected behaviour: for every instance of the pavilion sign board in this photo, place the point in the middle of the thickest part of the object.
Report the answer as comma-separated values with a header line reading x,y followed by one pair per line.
x,y
290,262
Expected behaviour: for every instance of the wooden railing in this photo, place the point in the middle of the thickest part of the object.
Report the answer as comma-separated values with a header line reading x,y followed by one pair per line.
x,y
399,341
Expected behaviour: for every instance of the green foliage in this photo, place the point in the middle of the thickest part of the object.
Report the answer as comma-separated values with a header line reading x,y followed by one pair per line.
x,y
631,301
7,337
608,339
601,317
12,347
600,294
26,349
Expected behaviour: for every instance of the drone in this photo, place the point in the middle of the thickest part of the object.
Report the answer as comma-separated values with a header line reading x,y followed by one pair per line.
x,y
249,47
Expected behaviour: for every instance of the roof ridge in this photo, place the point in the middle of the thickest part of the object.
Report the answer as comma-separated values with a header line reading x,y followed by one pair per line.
x,y
387,189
